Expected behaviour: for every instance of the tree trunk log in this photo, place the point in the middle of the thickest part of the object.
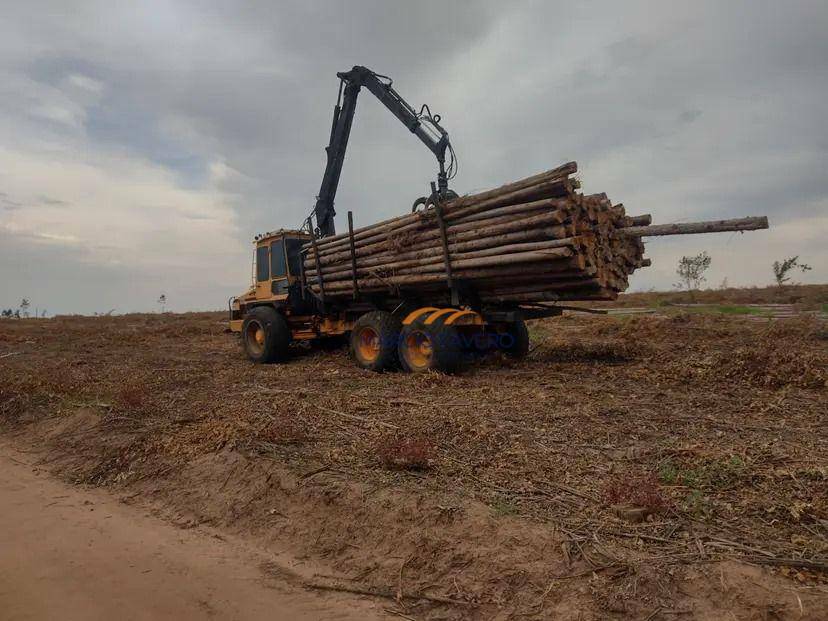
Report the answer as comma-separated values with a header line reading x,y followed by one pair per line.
x,y
534,240
690,228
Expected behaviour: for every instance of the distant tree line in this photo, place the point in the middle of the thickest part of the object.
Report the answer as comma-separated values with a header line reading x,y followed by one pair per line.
x,y
21,312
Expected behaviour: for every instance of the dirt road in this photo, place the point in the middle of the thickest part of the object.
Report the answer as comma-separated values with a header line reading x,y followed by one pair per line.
x,y
72,553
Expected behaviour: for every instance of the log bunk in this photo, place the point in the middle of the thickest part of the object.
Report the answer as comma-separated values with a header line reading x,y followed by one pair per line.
x,y
534,240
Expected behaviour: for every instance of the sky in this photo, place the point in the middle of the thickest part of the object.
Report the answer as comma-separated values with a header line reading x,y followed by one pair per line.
x,y
144,144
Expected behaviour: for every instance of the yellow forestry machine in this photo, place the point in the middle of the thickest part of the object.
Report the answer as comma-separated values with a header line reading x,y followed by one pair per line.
x,y
386,330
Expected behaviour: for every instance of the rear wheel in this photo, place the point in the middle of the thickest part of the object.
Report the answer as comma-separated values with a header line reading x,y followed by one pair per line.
x,y
430,347
374,341
265,335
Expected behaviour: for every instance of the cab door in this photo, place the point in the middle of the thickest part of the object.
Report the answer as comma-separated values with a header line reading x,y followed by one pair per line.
x,y
278,268
263,271
293,249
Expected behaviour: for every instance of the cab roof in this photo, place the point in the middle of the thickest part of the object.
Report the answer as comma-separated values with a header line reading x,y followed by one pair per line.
x,y
280,233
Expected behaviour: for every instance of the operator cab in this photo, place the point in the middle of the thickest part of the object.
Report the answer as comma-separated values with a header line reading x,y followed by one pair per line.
x,y
277,272
278,262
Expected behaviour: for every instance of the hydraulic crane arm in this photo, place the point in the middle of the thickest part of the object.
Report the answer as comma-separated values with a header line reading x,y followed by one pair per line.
x,y
423,124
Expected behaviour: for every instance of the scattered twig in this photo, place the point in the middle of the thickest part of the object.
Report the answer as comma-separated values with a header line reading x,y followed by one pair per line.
x,y
387,593
272,391
398,613
568,489
619,533
226,480
652,615
363,419
316,471
717,542
399,593
586,572
789,562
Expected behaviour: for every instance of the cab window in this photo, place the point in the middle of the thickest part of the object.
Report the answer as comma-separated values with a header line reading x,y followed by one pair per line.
x,y
262,266
278,269
294,254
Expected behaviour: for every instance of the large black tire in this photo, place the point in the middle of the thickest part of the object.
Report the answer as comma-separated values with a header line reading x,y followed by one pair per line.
x,y
265,335
374,339
513,340
430,347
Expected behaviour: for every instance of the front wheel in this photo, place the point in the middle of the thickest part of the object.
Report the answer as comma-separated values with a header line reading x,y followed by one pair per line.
x,y
265,335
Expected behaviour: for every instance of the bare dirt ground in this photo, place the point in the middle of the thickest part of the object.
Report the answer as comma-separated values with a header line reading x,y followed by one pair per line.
x,y
668,466
72,553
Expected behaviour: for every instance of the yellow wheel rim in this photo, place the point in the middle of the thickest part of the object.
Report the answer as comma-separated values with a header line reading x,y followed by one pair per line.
x,y
254,337
418,350
368,344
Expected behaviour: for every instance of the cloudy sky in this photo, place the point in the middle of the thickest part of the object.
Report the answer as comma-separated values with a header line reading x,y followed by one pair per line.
x,y
142,146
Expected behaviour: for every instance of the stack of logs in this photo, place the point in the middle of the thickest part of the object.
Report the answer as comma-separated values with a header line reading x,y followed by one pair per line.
x,y
533,240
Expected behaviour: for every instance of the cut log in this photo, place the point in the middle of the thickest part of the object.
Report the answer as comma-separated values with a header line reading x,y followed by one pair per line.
x,y
550,183
644,220
691,228
431,237
379,283
434,256
533,240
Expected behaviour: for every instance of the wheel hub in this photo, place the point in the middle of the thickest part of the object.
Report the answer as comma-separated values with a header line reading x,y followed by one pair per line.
x,y
368,344
419,349
255,337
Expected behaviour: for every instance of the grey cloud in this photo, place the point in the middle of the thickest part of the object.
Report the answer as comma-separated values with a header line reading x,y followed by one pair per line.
x,y
51,202
688,116
704,110
9,204
631,51
6,202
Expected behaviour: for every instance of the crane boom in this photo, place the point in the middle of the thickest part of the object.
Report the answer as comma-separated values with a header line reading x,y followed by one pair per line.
x,y
424,125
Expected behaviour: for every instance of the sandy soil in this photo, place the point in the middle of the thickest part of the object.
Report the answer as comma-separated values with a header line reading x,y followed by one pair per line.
x,y
648,467
74,553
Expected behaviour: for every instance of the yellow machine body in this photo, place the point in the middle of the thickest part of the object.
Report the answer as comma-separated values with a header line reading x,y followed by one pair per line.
x,y
276,268
280,307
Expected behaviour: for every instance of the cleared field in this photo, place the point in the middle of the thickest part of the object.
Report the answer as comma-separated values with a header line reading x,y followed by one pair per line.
x,y
802,297
656,466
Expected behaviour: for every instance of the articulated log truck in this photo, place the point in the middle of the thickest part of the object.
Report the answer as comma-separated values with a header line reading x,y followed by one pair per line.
x,y
456,277
387,330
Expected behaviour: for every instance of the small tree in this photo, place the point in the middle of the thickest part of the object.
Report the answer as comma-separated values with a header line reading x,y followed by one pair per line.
x,y
781,270
691,271
7,312
162,302
24,307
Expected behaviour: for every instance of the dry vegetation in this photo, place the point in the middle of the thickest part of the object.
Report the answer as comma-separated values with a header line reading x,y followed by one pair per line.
x,y
663,467
805,297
